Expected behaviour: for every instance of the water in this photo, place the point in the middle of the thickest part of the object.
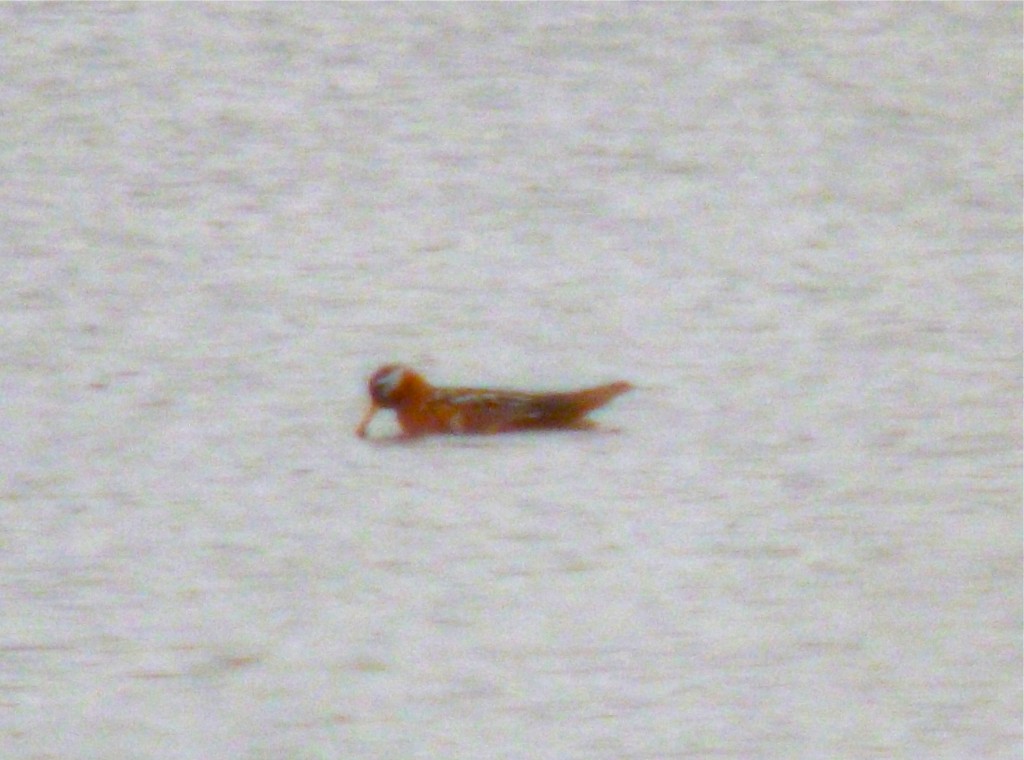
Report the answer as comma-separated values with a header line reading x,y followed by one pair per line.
x,y
797,229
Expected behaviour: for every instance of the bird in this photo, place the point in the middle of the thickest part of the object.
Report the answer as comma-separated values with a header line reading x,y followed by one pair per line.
x,y
423,409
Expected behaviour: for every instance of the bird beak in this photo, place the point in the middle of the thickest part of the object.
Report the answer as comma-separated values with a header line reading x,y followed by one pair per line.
x,y
361,430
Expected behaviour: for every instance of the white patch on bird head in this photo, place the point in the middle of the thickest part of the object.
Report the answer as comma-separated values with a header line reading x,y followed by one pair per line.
x,y
386,383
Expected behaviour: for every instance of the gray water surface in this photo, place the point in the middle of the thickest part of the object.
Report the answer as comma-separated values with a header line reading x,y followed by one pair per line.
x,y
796,228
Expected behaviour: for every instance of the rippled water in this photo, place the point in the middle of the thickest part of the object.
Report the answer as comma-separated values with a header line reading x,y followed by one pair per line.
x,y
797,229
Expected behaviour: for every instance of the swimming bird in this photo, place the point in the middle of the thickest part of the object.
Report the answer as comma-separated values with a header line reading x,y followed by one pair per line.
x,y
423,409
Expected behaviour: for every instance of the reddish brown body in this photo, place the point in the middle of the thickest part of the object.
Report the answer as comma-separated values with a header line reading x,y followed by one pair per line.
x,y
423,409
